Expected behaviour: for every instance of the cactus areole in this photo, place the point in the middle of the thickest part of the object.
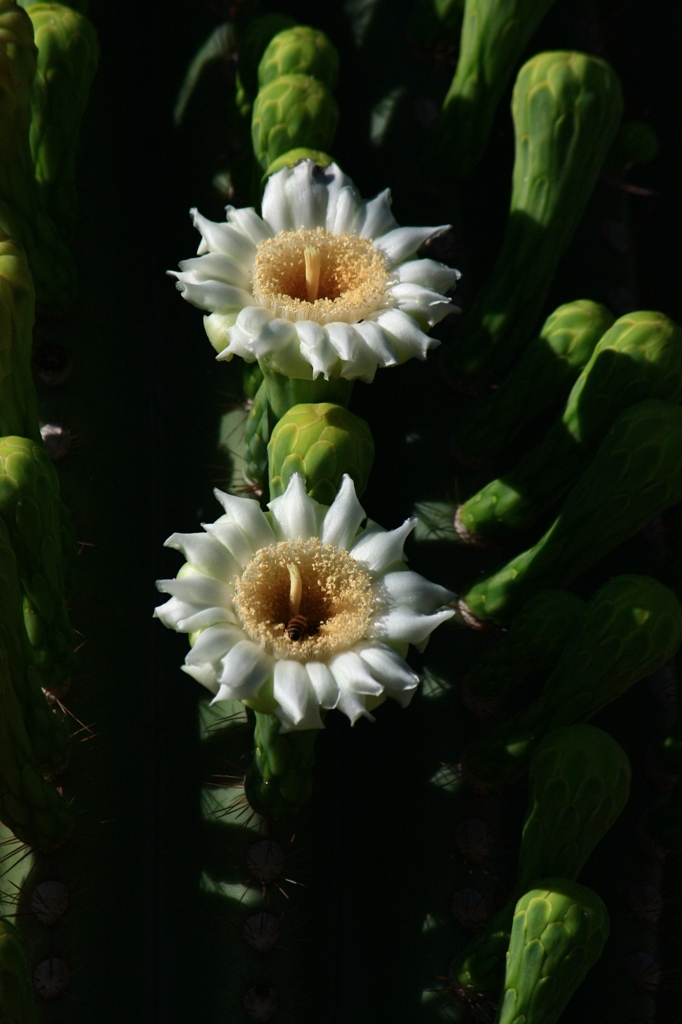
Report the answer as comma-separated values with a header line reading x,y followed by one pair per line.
x,y
298,610
323,284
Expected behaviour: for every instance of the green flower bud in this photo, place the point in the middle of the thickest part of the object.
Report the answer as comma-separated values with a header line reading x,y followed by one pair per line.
x,y
321,442
300,50
292,111
559,932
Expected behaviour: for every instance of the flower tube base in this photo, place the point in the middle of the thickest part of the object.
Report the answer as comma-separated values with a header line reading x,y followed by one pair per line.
x,y
279,781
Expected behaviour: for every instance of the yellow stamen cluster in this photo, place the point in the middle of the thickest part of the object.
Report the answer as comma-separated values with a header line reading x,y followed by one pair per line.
x,y
316,275
336,599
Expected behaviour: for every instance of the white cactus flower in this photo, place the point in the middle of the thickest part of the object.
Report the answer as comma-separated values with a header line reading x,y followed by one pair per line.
x,y
298,609
324,283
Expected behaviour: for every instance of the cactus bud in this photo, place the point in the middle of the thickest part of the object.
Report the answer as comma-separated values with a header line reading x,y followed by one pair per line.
x,y
321,442
292,111
300,50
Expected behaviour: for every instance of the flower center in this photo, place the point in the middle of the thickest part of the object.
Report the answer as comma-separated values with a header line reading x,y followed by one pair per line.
x,y
316,275
305,601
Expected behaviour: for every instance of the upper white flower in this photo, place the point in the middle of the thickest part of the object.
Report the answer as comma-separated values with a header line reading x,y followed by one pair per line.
x,y
324,283
298,609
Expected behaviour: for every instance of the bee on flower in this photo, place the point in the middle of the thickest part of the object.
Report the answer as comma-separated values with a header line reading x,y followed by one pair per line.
x,y
254,578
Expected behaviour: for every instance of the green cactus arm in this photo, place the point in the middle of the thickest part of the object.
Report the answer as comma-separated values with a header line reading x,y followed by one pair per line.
x,y
559,931
548,366
533,641
299,50
636,474
640,357
280,780
68,53
31,807
494,35
566,108
579,784
631,627
49,737
291,112
322,442
18,401
30,507
22,213
17,1002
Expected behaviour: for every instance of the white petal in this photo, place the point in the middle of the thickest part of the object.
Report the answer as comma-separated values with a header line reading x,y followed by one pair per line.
x,y
375,217
274,342
204,674
343,214
429,274
294,512
247,514
212,645
225,239
400,243
408,337
323,683
300,196
238,343
200,590
216,267
379,343
405,624
378,549
343,518
195,619
210,294
246,220
351,673
253,320
353,705
317,348
428,307
273,338
187,617
391,670
204,553
297,703
244,670
232,538
358,362
218,327
412,590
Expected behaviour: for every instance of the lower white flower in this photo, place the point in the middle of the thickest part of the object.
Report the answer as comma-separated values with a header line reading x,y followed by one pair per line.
x,y
324,283
298,608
